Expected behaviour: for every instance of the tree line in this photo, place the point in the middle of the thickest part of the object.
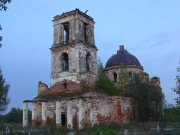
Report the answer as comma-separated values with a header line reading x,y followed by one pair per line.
x,y
14,116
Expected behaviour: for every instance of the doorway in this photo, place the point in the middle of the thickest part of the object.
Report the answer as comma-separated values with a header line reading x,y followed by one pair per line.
x,y
63,119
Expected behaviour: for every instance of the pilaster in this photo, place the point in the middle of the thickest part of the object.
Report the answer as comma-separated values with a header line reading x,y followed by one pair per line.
x,y
81,114
69,115
58,114
25,114
44,117
34,114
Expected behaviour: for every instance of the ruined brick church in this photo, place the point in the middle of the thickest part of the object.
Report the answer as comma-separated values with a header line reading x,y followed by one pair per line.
x,y
73,61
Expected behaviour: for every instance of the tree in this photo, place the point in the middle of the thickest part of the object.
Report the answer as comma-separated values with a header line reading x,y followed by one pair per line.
x,y
4,89
171,113
15,116
3,4
148,98
156,99
123,79
3,7
139,91
103,83
177,88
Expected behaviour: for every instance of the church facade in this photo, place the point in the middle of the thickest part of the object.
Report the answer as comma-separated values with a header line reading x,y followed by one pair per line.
x,y
74,62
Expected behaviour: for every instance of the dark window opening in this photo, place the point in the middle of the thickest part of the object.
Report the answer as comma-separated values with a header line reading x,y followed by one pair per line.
x,y
88,62
130,77
66,32
134,115
85,32
115,77
65,85
63,119
65,62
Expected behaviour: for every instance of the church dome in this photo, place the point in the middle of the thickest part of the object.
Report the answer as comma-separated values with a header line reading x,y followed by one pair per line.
x,y
122,58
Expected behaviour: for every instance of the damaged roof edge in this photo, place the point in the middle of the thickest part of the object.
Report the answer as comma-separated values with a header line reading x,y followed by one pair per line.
x,y
76,11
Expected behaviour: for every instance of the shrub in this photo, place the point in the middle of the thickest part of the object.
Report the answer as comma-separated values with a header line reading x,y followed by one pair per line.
x,y
104,84
104,131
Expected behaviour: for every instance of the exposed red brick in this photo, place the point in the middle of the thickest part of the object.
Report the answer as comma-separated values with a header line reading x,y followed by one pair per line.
x,y
45,92
75,120
70,86
50,120
42,87
33,123
120,114
43,123
103,119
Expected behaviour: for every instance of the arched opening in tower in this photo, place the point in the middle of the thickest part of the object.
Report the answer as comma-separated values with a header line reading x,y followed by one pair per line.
x,y
85,32
66,32
65,62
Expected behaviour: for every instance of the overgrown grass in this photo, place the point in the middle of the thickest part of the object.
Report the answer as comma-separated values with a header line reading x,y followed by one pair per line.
x,y
110,129
58,131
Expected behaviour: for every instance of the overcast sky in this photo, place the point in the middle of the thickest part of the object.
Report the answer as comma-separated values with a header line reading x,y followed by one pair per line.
x,y
149,29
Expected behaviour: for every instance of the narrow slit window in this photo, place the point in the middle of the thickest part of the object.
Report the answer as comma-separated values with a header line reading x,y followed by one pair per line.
x,y
88,62
115,77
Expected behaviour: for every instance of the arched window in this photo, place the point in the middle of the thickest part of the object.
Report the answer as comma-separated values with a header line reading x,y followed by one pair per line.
x,y
88,58
65,62
66,32
65,85
130,77
85,32
115,77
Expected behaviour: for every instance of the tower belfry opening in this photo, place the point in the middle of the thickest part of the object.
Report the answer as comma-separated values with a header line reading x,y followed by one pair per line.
x,y
66,32
85,32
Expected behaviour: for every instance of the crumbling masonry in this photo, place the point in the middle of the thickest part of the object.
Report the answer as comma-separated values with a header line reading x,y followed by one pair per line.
x,y
73,62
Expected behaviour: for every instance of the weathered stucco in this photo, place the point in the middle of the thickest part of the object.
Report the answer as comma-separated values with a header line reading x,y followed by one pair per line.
x,y
25,114
79,46
87,110
109,72
77,64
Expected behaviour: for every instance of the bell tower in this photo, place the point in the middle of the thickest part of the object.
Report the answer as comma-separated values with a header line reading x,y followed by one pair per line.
x,y
73,53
